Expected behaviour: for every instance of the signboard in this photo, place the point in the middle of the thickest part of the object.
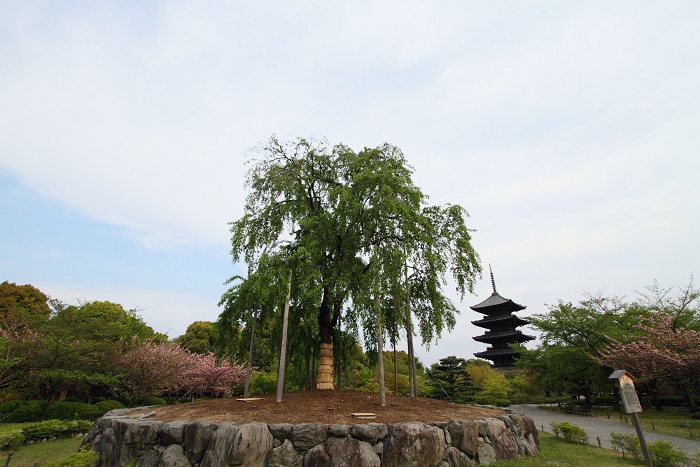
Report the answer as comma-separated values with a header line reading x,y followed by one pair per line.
x,y
629,395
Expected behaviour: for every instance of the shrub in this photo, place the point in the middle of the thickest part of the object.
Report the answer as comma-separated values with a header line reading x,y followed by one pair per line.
x,y
49,429
82,458
154,401
6,408
263,383
26,413
626,444
107,405
95,400
11,438
604,400
71,399
69,410
569,432
92,415
502,402
170,400
663,454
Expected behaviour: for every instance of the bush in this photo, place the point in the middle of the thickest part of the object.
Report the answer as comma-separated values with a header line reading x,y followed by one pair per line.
x,y
154,401
263,383
71,399
663,454
6,409
92,415
626,444
107,405
95,400
82,458
502,402
26,413
50,429
604,400
11,438
569,432
171,400
69,410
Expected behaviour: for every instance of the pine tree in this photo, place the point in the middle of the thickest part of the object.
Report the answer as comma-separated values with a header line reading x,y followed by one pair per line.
x,y
451,381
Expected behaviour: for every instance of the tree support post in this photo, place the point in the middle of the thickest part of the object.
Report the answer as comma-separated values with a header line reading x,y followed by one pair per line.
x,y
250,355
380,355
283,346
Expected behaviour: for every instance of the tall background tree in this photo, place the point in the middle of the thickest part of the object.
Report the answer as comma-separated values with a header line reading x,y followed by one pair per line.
x,y
346,224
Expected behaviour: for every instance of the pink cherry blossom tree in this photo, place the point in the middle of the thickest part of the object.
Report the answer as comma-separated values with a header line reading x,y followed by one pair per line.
x,y
662,350
208,376
151,369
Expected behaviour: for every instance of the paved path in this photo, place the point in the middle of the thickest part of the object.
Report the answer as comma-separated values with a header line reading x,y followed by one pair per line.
x,y
600,427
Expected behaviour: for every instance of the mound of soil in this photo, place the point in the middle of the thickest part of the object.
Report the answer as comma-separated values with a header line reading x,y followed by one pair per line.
x,y
330,407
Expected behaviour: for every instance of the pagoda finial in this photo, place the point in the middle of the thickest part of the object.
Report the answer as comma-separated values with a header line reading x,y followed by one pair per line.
x,y
493,282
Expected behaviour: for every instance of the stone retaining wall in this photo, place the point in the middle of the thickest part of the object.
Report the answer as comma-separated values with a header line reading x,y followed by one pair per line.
x,y
121,440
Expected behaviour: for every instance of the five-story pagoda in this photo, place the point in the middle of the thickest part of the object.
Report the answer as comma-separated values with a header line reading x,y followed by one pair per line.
x,y
501,325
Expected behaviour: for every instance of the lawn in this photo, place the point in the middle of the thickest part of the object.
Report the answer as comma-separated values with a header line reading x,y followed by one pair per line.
x,y
556,451
662,422
43,452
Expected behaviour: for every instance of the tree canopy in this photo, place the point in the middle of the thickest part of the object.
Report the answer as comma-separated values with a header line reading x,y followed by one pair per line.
x,y
346,224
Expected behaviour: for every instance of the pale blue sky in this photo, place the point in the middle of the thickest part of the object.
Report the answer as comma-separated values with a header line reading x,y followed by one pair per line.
x,y
568,130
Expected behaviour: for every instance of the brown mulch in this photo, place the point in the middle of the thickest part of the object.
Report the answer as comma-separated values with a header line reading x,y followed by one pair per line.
x,y
330,407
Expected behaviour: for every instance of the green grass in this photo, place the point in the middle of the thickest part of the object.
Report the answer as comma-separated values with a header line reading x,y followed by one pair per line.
x,y
660,422
556,450
43,452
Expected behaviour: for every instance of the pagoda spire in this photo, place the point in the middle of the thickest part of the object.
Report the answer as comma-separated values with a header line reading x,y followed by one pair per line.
x,y
493,282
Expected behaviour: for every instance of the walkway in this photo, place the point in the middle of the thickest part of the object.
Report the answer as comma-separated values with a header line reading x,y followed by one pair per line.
x,y
600,427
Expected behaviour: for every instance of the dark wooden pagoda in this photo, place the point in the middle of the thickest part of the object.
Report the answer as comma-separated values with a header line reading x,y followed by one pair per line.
x,y
502,329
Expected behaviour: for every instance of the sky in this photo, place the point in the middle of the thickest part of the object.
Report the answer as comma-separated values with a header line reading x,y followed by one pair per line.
x,y
568,130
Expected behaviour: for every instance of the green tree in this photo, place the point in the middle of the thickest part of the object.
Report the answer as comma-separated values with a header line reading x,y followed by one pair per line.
x,y
571,336
452,381
22,305
346,223
199,338
79,347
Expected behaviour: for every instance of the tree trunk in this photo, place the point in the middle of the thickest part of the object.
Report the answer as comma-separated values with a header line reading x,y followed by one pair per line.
x,y
655,393
689,399
283,345
380,356
326,323
396,372
250,355
412,386
307,385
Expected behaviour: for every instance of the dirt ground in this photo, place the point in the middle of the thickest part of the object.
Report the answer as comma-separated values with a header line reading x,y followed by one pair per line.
x,y
330,407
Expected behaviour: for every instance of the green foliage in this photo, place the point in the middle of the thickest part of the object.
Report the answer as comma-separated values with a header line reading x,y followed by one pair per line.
x,y
263,382
26,413
663,454
82,458
571,433
22,305
626,444
452,381
107,405
71,399
51,429
11,438
6,409
199,338
154,401
496,388
69,410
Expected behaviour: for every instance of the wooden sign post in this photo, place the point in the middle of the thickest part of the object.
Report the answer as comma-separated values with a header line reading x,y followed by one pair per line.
x,y
625,382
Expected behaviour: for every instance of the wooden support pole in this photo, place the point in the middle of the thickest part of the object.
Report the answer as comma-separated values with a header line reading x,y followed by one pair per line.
x,y
283,345
248,369
9,457
412,387
380,355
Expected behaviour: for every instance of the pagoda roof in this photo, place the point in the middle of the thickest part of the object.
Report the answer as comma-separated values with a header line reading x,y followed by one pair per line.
x,y
496,352
510,335
496,303
499,319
